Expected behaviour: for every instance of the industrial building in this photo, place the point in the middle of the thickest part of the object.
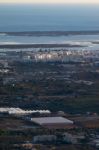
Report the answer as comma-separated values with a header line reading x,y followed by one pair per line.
x,y
53,122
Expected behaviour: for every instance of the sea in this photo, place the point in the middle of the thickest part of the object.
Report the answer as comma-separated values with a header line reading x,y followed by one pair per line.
x,y
49,17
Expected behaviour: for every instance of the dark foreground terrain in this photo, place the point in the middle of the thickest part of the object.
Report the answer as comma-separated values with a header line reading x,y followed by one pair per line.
x,y
70,87
67,87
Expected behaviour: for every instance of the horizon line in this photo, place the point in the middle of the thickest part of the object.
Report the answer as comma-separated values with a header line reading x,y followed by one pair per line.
x,y
50,3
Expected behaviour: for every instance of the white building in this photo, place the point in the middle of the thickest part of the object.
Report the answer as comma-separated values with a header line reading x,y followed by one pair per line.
x,y
44,138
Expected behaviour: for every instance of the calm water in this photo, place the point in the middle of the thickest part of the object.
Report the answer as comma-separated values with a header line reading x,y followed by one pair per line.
x,y
48,18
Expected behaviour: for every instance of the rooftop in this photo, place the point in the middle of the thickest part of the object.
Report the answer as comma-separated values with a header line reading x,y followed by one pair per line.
x,y
51,120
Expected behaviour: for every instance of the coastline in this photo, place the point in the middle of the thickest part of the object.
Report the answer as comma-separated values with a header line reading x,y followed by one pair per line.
x,y
17,46
50,33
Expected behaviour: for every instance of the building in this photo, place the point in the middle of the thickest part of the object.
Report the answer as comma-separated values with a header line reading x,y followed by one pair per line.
x,y
69,138
53,122
44,138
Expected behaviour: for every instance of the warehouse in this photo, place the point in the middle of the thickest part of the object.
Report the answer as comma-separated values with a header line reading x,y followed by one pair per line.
x,y
53,122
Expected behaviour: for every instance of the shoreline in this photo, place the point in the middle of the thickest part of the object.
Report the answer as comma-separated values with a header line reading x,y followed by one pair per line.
x,y
17,46
50,33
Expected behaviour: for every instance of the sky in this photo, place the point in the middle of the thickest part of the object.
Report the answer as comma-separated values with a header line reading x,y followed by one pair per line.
x,y
49,1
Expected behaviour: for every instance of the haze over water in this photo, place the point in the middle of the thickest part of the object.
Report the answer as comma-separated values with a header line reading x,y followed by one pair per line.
x,y
21,17
44,17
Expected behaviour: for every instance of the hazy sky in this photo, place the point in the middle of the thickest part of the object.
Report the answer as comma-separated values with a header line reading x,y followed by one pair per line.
x,y
49,1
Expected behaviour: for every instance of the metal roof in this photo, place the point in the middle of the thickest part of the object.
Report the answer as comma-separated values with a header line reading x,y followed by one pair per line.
x,y
51,120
